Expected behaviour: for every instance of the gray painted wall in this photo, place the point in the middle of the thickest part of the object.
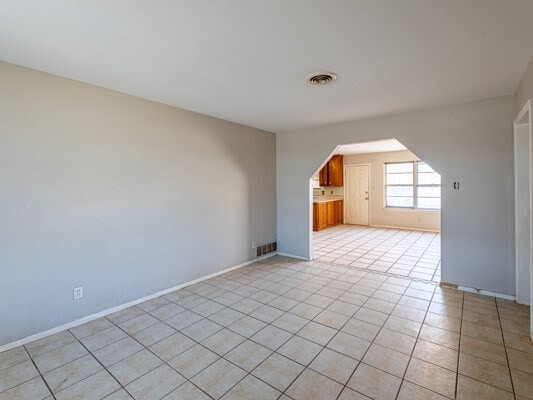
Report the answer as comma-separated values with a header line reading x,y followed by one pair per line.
x,y
525,88
120,195
471,143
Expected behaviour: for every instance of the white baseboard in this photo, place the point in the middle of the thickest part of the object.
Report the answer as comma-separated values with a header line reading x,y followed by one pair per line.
x,y
293,256
404,228
100,314
477,291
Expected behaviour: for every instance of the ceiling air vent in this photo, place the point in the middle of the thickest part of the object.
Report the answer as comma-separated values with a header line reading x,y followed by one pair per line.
x,y
321,78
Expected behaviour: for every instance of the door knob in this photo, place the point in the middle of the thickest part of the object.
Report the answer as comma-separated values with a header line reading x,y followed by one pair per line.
x,y
366,198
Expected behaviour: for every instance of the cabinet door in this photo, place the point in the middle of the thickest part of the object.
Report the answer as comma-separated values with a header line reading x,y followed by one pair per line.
x,y
335,171
322,215
339,212
315,216
323,176
331,212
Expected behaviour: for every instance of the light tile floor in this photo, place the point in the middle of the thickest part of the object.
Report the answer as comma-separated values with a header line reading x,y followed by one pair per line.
x,y
397,251
286,329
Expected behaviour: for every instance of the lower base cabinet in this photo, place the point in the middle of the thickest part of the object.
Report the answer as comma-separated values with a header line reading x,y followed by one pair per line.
x,y
327,214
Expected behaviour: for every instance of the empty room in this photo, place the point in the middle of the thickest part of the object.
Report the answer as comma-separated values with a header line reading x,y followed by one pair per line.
x,y
291,200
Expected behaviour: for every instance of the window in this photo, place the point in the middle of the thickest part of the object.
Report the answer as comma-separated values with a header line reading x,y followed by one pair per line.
x,y
427,187
399,184
412,185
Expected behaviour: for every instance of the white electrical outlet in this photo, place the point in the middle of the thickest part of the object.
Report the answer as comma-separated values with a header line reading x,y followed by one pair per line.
x,y
78,292
253,245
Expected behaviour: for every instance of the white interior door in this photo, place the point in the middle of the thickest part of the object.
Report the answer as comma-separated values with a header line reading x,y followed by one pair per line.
x,y
356,196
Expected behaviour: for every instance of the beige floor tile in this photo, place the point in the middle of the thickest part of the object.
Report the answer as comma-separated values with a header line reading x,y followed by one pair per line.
x,y
153,304
90,328
396,341
362,329
248,355
518,327
300,350
117,351
379,305
104,338
520,360
73,372
468,389
34,389
251,388
223,341
523,383
283,303
266,313
156,384
387,360
311,385
518,342
446,310
349,394
126,314
443,322
226,317
436,354
331,319
138,323
187,391
278,371
183,320
60,356
290,322
247,326
344,308
374,317
134,366
317,333
167,311
482,332
403,325
483,319
201,330
440,336
171,346
409,313
483,349
431,377
271,337
12,357
154,334
49,343
485,371
365,378
349,345
193,360
334,365
410,391
96,386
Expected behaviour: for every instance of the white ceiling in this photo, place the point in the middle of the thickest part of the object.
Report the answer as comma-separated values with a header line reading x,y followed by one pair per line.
x,y
246,60
379,146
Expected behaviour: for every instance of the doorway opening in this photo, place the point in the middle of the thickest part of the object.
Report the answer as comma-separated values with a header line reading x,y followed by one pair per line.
x,y
523,175
382,213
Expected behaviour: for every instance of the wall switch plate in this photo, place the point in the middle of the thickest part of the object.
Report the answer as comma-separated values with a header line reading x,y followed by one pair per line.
x,y
78,292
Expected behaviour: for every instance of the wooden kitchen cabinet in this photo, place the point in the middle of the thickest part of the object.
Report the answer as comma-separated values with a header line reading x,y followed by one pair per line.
x,y
333,172
339,212
327,214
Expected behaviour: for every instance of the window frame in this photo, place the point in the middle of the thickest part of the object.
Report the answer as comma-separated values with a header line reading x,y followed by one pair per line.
x,y
414,185
400,185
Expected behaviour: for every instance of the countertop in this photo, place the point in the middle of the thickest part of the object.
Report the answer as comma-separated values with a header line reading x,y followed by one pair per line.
x,y
325,199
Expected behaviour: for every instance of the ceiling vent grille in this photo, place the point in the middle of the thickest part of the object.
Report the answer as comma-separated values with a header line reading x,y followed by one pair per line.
x,y
321,78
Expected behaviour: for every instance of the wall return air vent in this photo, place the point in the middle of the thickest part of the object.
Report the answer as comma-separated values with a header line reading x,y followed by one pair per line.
x,y
265,249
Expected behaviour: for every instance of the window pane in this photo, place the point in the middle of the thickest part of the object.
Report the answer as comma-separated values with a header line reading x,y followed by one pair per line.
x,y
428,191
399,201
429,202
400,191
400,179
399,167
428,178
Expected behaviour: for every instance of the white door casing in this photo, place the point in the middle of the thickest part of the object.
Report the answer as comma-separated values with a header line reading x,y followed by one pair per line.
x,y
356,196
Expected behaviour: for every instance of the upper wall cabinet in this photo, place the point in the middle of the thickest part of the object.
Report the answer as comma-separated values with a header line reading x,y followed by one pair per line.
x,y
333,172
